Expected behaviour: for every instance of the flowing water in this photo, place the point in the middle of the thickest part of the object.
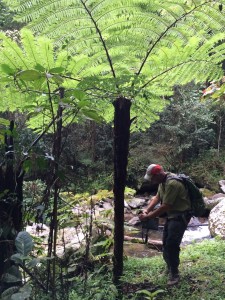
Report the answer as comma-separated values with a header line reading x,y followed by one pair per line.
x,y
197,231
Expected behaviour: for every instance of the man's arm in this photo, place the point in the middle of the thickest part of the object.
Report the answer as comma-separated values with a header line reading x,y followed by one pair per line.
x,y
150,213
153,202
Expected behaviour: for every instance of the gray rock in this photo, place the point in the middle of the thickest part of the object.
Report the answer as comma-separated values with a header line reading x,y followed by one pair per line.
x,y
134,221
217,196
217,220
213,201
107,205
222,185
136,202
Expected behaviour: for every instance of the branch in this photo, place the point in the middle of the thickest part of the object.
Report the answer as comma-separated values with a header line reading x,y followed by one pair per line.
x,y
165,32
34,277
168,70
101,38
41,135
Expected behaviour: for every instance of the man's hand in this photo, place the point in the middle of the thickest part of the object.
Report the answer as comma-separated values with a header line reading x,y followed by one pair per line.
x,y
144,216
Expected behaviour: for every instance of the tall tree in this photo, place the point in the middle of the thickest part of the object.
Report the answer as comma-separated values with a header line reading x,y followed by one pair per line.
x,y
131,51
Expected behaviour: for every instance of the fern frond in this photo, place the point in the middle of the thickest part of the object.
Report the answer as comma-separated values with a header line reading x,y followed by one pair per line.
x,y
130,47
29,46
11,53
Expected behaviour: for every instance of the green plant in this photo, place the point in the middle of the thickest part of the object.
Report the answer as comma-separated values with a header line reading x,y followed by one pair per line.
x,y
95,287
148,295
207,169
202,271
21,259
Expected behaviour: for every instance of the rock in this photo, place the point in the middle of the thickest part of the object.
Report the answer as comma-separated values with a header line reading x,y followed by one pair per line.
x,y
134,221
213,201
107,205
37,229
217,196
217,220
140,240
195,234
222,185
126,205
136,202
197,221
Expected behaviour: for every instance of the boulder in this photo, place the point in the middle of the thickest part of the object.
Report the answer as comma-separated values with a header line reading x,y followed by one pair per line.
x,y
137,203
213,201
217,196
134,221
222,185
217,220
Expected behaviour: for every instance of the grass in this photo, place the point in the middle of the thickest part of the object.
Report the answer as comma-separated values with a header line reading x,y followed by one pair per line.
x,y
202,271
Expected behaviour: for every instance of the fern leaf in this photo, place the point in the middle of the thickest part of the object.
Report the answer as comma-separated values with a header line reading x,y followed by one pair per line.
x,y
11,53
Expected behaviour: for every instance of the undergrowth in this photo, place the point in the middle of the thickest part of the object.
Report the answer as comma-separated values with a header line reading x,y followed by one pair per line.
x,y
202,272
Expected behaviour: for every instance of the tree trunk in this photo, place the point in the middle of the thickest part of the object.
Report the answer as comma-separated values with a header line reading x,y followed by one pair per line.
x,y
10,202
54,181
121,148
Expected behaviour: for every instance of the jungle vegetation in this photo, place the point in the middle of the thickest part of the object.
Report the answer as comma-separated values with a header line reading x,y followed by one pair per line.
x,y
126,64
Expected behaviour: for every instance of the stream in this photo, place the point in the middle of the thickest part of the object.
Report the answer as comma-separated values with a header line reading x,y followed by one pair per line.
x,y
197,231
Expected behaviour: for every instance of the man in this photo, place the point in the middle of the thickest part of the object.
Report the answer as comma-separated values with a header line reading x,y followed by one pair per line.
x,y
175,202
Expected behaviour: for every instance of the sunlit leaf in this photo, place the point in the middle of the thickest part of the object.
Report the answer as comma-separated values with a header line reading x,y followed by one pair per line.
x,y
40,68
4,122
92,115
56,70
29,75
5,79
80,95
58,79
83,104
7,69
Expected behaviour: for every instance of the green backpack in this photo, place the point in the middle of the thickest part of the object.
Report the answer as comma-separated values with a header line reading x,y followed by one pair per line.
x,y
198,208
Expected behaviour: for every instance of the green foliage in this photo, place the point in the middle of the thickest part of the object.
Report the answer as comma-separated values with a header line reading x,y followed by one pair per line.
x,y
208,169
33,74
13,275
6,295
24,243
148,295
202,271
23,293
184,130
95,287
6,18
137,49
33,194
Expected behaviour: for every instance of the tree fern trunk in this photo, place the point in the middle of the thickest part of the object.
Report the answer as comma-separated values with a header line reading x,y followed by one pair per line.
x,y
121,146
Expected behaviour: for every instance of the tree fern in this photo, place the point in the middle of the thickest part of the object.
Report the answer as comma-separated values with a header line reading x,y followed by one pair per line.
x,y
122,47
31,73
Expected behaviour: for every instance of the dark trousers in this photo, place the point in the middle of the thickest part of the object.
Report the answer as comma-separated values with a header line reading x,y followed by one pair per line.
x,y
172,236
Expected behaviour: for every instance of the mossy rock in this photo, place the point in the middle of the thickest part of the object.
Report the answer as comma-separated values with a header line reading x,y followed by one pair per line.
x,y
207,193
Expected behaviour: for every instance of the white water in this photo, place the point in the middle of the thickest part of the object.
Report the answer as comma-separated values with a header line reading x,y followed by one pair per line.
x,y
197,230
